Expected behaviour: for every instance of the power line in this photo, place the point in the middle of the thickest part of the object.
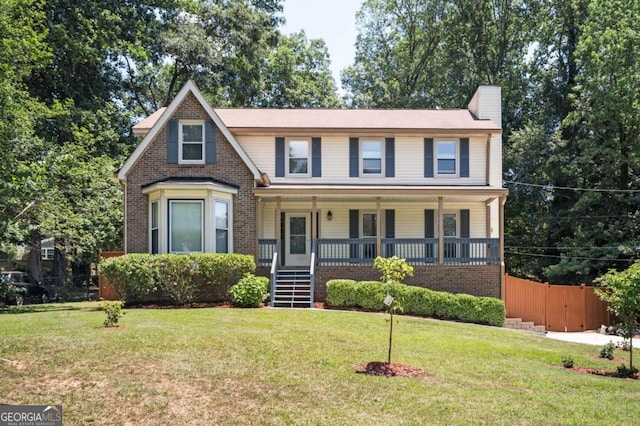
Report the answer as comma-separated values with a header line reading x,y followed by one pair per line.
x,y
560,248
568,188
601,259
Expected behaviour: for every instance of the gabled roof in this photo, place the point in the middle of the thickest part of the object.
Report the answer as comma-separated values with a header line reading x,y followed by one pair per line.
x,y
354,119
156,121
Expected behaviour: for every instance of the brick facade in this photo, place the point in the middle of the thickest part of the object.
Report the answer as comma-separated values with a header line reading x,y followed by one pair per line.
x,y
152,166
477,280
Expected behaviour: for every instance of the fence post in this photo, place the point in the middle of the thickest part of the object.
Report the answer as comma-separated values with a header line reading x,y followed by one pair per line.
x,y
584,307
544,305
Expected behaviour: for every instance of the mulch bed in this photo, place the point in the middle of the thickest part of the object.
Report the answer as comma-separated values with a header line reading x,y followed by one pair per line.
x,y
379,368
606,373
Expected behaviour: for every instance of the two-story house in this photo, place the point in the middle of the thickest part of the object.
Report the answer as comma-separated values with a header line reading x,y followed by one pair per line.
x,y
317,194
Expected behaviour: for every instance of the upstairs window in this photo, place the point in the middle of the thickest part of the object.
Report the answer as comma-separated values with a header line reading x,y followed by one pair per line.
x,y
447,156
371,158
191,142
298,154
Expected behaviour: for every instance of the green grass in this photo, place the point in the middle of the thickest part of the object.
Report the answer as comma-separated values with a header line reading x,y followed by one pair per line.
x,y
276,366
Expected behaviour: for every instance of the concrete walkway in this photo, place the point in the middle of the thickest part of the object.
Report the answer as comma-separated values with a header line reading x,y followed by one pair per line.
x,y
586,337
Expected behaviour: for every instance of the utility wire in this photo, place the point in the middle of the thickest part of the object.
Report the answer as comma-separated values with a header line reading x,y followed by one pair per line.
x,y
567,188
569,257
558,248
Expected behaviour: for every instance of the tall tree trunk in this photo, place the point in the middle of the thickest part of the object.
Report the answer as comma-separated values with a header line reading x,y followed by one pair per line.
x,y
35,255
60,260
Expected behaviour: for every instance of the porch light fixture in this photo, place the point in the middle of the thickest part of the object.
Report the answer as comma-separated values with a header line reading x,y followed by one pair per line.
x,y
329,215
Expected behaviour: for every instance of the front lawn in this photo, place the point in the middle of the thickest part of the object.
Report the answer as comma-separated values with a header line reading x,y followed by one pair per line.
x,y
281,366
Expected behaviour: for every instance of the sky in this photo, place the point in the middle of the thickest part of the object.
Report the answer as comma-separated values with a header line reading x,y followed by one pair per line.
x,y
334,21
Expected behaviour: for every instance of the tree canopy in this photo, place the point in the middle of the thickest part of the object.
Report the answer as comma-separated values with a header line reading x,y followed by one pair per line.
x,y
75,76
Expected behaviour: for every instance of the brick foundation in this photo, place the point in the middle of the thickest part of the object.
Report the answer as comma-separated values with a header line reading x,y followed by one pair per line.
x,y
477,280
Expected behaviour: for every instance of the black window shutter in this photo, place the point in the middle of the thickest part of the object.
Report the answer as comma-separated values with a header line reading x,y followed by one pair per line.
x,y
464,157
389,230
172,141
210,142
465,232
354,225
390,154
428,157
390,223
429,224
354,232
279,157
316,157
354,157
465,227
430,252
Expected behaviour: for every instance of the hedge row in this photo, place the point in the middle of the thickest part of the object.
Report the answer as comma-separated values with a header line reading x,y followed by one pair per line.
x,y
180,278
417,301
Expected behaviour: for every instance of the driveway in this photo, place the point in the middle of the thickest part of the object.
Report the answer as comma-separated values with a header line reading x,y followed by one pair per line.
x,y
586,337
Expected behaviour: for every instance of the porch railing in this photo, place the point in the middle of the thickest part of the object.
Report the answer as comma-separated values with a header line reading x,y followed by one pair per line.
x,y
266,248
417,251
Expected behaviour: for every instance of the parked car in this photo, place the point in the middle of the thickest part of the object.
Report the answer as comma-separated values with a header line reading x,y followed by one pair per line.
x,y
21,287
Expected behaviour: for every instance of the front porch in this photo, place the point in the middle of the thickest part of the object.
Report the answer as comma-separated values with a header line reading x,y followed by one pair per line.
x,y
451,236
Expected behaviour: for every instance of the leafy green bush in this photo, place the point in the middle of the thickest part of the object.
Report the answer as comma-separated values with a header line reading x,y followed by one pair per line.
x,y
607,351
114,311
370,295
266,284
567,361
179,277
248,292
341,294
133,275
626,372
417,301
182,278
220,271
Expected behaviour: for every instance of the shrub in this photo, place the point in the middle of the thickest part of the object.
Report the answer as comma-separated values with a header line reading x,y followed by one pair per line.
x,y
248,292
417,301
114,311
370,295
567,361
183,278
607,351
341,294
626,372
133,275
220,271
179,277
266,285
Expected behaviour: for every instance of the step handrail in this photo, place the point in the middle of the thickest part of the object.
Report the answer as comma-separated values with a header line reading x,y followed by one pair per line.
x,y
274,272
312,271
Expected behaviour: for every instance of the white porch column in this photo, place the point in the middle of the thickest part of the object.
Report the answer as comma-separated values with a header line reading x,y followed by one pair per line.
x,y
314,218
503,200
278,227
488,222
440,231
378,228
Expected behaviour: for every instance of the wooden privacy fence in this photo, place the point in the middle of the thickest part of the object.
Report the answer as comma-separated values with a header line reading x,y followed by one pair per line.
x,y
105,291
557,307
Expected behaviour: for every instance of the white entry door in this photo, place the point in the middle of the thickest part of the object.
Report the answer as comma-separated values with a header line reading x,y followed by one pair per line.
x,y
298,239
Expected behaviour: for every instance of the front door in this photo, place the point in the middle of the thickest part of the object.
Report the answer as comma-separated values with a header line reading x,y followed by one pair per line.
x,y
297,239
